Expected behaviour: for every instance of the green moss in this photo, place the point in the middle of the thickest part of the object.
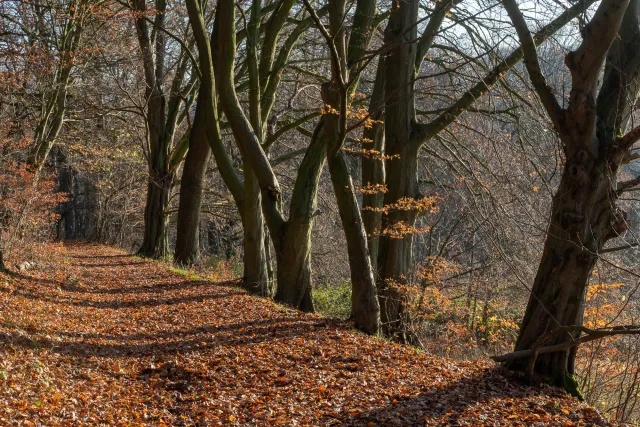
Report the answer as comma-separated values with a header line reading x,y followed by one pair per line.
x,y
569,383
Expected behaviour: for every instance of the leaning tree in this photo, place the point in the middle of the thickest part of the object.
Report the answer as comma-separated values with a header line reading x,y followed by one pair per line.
x,y
402,137
585,214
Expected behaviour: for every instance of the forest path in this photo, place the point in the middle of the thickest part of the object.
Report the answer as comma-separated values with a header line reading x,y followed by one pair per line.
x,y
97,337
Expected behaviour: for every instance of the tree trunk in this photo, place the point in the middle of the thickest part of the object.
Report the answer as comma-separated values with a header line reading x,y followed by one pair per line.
x,y
365,309
256,276
154,243
373,172
293,268
584,215
187,250
582,220
161,119
292,241
67,225
267,255
395,255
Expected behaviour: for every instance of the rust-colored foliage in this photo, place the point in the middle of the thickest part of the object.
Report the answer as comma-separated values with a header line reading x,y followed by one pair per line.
x,y
96,337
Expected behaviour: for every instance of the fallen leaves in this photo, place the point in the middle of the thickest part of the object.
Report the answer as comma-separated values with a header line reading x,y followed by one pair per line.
x,y
100,338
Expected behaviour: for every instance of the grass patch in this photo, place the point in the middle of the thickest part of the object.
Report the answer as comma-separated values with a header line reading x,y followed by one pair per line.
x,y
333,300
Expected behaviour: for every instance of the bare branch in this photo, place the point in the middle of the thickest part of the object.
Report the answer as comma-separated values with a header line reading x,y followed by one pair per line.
x,y
545,92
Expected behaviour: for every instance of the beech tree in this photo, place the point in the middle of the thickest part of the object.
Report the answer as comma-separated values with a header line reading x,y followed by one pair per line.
x,y
204,139
404,136
347,61
262,87
585,214
162,118
291,237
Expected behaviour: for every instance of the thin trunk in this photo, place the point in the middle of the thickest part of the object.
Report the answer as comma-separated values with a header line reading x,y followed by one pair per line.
x,y
373,173
471,285
154,243
365,309
255,261
160,177
267,255
160,182
187,250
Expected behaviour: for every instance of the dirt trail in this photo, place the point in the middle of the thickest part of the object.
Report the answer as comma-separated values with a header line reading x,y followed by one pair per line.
x,y
101,338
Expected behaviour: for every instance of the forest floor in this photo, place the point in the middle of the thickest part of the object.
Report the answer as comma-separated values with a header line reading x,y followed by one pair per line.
x,y
93,336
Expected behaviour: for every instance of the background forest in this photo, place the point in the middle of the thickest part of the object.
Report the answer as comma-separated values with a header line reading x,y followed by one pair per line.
x,y
457,175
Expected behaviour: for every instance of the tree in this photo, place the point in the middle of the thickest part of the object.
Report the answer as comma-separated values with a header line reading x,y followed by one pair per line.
x,y
405,136
337,95
585,214
187,250
291,237
161,119
262,89
71,27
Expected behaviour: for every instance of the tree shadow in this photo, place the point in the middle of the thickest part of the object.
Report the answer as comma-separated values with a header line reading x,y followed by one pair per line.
x,y
156,288
111,264
161,344
118,304
459,402
38,280
100,256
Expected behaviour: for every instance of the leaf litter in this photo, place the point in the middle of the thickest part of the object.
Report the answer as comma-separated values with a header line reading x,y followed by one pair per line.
x,y
96,337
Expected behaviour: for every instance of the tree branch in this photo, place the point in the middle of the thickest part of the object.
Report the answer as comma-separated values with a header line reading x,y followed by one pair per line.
x,y
538,80
590,335
426,131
